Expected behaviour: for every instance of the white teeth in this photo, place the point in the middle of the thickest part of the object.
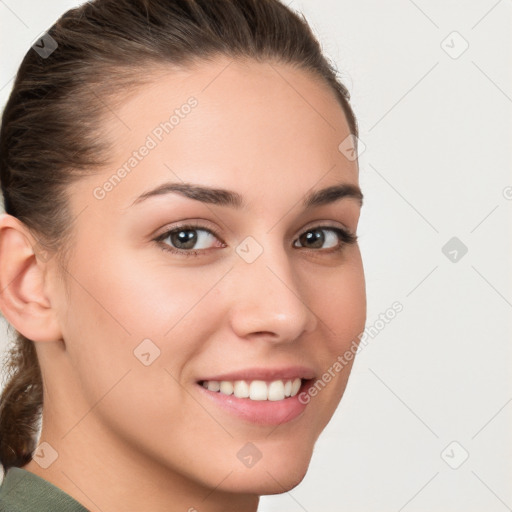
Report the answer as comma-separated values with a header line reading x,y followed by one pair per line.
x,y
295,387
257,389
288,388
226,387
241,389
213,385
276,390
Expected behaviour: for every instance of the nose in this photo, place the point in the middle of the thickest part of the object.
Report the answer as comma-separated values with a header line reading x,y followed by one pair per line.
x,y
270,299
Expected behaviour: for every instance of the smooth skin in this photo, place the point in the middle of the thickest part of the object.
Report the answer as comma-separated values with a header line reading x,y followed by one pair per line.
x,y
131,436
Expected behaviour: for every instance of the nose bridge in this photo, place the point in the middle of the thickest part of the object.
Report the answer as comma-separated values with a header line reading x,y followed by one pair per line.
x,y
268,298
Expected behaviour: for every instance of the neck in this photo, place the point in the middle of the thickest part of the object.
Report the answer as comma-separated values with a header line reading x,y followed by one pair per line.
x,y
104,475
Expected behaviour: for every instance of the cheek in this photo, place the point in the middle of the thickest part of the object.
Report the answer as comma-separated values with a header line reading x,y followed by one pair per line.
x,y
135,296
130,328
340,303
115,307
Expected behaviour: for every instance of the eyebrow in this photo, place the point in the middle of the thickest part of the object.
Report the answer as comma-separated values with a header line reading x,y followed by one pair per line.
x,y
232,199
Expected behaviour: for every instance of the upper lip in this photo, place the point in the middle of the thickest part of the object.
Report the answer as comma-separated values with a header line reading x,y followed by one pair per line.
x,y
267,374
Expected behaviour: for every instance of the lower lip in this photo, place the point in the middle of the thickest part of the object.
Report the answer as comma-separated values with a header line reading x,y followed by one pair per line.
x,y
260,412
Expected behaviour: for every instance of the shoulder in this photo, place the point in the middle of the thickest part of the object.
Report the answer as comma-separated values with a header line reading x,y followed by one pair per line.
x,y
23,491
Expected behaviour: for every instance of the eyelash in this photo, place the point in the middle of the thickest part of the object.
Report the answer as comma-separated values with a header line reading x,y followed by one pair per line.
x,y
345,236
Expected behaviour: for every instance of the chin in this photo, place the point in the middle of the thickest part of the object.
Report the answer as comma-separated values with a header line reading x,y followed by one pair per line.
x,y
273,474
285,483
263,483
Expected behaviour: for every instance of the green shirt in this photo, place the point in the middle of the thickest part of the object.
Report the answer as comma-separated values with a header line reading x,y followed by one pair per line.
x,y
23,491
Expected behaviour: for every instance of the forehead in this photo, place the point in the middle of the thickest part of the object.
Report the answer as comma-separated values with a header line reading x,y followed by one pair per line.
x,y
226,123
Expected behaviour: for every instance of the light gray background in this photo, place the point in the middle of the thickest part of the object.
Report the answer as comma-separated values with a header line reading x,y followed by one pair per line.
x,y
437,129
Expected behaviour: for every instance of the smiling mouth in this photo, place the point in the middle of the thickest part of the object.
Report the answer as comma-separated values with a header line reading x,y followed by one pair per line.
x,y
257,390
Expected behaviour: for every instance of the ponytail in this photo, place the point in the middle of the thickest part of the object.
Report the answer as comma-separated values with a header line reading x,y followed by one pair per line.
x,y
20,403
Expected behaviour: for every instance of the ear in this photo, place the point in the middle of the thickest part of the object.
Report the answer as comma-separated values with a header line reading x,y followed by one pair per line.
x,y
23,300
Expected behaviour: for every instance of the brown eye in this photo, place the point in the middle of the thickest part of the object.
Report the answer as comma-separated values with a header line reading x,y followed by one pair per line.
x,y
314,239
183,238
187,240
334,238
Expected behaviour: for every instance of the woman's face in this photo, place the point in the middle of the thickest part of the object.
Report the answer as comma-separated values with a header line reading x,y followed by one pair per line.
x,y
264,287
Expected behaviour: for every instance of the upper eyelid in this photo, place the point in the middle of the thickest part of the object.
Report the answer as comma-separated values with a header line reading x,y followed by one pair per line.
x,y
187,225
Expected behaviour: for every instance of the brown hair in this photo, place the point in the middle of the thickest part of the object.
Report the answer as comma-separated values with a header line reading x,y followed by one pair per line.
x,y
49,135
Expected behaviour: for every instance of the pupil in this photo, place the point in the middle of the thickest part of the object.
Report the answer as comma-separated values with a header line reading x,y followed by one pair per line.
x,y
184,237
315,237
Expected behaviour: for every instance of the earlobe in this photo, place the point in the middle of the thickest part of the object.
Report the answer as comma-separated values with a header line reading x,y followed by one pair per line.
x,y
23,300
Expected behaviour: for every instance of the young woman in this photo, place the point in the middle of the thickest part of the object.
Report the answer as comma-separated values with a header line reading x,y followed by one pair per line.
x,y
178,257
